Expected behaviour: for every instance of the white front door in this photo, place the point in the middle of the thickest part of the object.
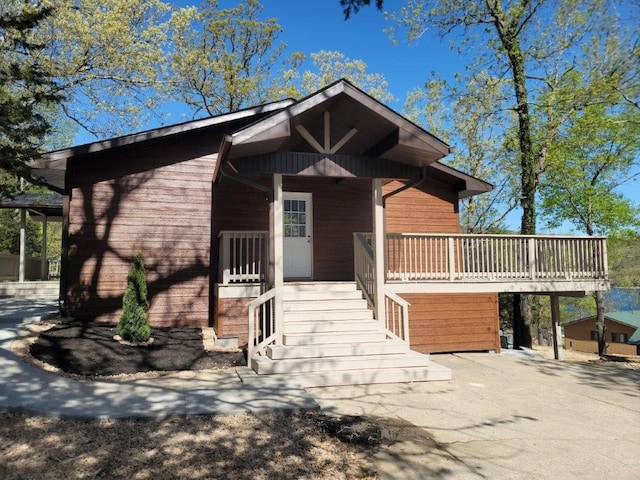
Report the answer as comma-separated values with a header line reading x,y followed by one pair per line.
x,y
298,226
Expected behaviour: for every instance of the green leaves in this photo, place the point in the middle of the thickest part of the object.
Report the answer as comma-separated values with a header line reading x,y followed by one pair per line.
x,y
134,321
27,88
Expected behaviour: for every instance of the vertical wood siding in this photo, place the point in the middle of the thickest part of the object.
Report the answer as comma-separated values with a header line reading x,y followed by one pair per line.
x,y
156,200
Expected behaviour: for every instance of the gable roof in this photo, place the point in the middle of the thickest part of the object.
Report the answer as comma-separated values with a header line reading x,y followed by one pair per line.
x,y
339,113
339,118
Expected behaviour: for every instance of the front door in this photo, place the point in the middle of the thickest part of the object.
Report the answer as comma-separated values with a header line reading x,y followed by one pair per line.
x,y
298,226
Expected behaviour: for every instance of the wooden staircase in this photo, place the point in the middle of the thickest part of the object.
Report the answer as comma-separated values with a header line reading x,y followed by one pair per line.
x,y
331,338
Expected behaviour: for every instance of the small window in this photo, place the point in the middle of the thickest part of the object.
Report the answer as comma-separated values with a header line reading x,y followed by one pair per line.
x,y
594,335
619,337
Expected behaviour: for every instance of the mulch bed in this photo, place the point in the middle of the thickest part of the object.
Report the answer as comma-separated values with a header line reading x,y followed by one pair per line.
x,y
88,348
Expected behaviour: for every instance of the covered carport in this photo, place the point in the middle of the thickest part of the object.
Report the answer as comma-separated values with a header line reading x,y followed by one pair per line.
x,y
41,207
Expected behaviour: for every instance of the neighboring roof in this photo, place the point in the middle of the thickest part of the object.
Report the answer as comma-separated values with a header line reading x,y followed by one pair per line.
x,y
630,318
49,204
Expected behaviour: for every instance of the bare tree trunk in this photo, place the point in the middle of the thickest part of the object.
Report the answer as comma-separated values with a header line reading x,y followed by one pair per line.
x,y
601,328
521,328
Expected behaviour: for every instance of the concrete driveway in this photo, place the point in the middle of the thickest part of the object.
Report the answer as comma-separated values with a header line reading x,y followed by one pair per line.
x,y
507,417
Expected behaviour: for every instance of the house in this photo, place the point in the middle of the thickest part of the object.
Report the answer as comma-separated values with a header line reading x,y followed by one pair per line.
x,y
622,334
323,233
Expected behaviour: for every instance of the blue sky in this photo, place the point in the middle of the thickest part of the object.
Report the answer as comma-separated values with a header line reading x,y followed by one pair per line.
x,y
313,25
310,26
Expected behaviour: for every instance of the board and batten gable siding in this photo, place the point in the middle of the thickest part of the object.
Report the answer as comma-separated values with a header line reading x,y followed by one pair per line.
x,y
154,198
441,322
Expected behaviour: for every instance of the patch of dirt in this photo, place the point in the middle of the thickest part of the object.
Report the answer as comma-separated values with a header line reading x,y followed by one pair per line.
x,y
88,349
265,446
631,362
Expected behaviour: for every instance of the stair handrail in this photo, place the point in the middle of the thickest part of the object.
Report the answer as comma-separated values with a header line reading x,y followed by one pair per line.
x,y
364,266
397,319
264,306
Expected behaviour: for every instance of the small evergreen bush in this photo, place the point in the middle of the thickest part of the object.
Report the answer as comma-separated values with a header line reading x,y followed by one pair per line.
x,y
134,322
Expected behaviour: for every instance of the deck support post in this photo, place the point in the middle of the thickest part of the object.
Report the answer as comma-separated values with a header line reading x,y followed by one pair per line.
x,y
378,251
23,245
276,247
558,352
44,270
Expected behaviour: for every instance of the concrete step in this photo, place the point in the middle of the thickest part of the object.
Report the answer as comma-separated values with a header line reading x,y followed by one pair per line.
x,y
331,338
366,376
267,366
32,289
324,305
320,316
388,347
337,326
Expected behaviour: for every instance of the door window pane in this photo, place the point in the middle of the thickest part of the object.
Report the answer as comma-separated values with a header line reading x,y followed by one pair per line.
x,y
295,218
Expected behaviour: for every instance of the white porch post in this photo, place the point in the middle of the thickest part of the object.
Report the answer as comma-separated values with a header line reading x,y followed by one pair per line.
x,y
558,352
43,252
378,251
276,245
23,244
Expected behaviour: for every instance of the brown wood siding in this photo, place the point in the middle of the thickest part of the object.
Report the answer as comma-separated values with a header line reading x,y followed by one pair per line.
x,y
453,322
431,207
577,336
157,200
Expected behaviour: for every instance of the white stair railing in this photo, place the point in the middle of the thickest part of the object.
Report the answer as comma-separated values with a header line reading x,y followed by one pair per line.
x,y
396,308
262,324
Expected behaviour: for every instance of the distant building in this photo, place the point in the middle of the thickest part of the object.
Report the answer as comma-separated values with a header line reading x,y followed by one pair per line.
x,y
622,334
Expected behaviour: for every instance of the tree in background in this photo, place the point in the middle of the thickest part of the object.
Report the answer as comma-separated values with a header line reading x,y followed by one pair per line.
x,y
329,67
223,59
592,156
537,48
134,321
105,56
27,88
471,120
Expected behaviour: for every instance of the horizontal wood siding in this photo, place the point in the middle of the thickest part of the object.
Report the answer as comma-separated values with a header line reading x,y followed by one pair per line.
x,y
453,323
430,207
155,199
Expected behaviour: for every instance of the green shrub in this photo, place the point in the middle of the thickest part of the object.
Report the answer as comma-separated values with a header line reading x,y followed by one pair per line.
x,y
134,322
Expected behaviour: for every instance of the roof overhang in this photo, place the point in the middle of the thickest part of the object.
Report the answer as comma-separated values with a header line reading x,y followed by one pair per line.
x,y
50,168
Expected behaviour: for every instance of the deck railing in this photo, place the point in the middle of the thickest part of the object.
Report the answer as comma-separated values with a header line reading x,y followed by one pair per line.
x,y
475,258
243,257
